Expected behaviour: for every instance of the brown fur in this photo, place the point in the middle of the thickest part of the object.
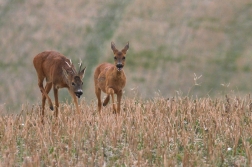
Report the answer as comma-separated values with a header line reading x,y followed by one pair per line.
x,y
110,80
59,72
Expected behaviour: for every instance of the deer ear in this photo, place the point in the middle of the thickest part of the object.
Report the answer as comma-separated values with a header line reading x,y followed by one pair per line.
x,y
125,49
64,72
82,73
113,47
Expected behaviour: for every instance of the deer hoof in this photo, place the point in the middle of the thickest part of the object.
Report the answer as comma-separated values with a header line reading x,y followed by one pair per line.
x,y
42,121
51,107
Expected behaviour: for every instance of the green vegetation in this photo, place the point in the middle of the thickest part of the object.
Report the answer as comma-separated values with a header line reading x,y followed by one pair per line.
x,y
102,31
151,59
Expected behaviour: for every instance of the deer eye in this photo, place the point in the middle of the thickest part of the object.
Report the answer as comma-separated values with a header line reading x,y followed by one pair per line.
x,y
82,83
73,83
123,58
115,58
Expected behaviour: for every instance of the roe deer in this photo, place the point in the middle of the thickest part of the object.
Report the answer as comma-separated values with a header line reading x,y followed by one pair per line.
x,y
111,79
59,73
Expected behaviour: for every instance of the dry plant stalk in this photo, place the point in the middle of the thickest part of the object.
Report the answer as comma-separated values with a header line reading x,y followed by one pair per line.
x,y
177,131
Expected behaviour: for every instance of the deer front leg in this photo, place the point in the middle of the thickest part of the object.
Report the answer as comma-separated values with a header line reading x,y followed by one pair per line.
x,y
55,91
119,97
75,101
111,92
98,95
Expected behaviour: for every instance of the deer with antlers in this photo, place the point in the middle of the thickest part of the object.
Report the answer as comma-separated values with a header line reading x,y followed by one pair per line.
x,y
59,72
110,78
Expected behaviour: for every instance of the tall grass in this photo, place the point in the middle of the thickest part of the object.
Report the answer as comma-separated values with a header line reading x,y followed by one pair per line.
x,y
167,45
159,132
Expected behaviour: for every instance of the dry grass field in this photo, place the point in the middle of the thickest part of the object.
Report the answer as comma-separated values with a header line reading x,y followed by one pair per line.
x,y
194,51
180,131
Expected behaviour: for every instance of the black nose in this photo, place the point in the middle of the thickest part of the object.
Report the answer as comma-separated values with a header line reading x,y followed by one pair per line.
x,y
119,66
78,93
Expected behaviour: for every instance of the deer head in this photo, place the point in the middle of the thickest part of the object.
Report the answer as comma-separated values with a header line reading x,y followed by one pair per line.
x,y
74,78
119,56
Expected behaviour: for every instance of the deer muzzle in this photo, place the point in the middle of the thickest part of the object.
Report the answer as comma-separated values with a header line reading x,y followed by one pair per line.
x,y
119,66
78,93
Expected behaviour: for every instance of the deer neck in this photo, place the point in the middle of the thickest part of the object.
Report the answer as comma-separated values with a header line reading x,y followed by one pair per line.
x,y
117,73
66,80
70,71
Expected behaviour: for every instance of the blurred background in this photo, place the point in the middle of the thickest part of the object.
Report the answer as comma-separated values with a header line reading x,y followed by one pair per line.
x,y
191,47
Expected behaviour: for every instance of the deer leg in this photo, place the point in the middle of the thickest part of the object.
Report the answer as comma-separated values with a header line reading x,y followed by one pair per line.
x,y
47,90
111,92
55,91
75,101
40,84
106,100
119,97
98,95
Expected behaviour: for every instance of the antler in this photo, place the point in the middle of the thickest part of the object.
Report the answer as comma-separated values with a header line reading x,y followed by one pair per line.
x,y
68,64
80,64
71,66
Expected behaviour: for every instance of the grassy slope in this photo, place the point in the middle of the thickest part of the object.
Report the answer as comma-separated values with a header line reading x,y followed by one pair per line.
x,y
183,38
169,42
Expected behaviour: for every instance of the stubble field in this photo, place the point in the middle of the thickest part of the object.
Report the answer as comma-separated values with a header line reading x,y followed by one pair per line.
x,y
180,131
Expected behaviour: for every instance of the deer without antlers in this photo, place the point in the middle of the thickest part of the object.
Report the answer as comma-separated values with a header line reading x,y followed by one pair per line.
x,y
59,73
111,79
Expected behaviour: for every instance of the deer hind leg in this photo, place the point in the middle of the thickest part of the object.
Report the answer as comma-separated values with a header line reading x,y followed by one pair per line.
x,y
111,92
40,84
119,97
55,91
47,90
98,95
106,100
